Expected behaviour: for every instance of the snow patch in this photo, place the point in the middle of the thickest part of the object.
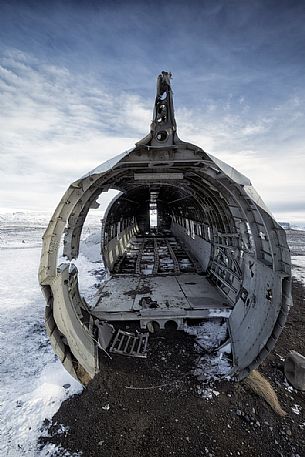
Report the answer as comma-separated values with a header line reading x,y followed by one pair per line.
x,y
299,226
89,277
32,379
210,334
90,246
24,416
89,264
91,270
21,230
212,367
298,267
212,364
296,409
51,450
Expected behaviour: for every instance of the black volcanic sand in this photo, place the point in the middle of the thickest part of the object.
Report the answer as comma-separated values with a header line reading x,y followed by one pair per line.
x,y
155,408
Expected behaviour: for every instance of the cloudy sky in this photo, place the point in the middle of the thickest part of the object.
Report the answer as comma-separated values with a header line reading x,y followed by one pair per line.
x,y
77,86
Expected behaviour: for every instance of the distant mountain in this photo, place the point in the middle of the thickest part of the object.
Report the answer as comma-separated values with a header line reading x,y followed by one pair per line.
x,y
300,226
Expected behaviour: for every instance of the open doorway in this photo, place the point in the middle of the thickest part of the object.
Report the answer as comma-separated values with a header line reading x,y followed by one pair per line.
x,y
153,213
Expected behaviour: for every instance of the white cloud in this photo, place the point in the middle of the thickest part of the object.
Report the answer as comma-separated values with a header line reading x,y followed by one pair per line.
x,y
268,149
56,126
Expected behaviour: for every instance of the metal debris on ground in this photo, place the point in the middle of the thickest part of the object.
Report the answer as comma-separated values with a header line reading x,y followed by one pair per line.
x,y
129,344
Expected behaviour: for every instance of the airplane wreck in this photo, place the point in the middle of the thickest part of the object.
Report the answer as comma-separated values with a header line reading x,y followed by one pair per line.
x,y
186,240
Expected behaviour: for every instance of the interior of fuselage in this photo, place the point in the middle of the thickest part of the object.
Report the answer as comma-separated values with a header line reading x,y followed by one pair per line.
x,y
187,241
164,269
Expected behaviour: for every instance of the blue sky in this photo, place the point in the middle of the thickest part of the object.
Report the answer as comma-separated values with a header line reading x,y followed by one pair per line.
x,y
77,85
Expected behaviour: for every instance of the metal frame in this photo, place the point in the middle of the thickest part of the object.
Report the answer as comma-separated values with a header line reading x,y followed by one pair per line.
x,y
238,243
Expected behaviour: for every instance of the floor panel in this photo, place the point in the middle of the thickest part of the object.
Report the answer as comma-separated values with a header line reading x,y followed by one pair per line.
x,y
156,277
135,293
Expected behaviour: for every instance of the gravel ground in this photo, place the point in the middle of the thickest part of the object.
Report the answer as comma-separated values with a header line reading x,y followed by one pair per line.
x,y
155,406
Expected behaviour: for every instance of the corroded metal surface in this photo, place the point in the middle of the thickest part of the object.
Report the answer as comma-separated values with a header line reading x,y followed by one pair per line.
x,y
211,209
